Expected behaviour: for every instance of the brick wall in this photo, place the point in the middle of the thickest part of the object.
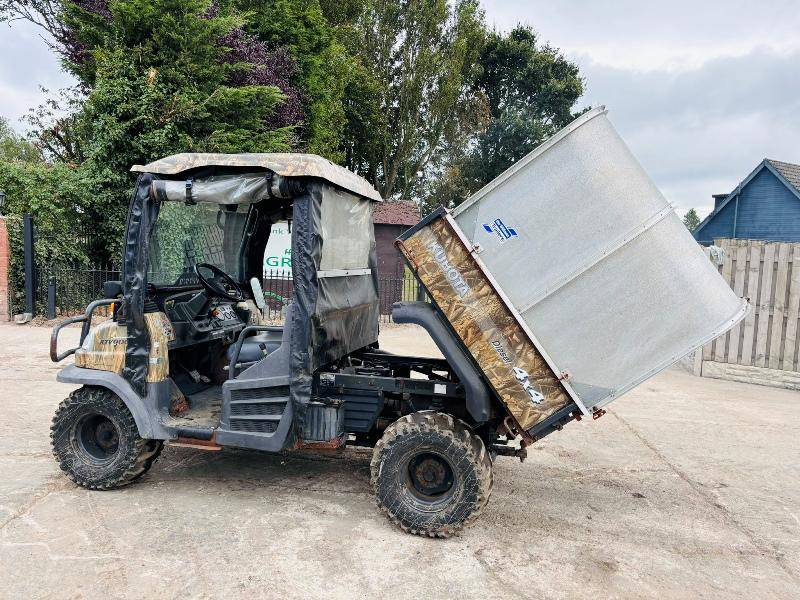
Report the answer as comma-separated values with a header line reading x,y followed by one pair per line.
x,y
5,258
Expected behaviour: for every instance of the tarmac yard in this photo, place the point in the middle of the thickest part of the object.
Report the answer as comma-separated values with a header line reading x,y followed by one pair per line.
x,y
687,488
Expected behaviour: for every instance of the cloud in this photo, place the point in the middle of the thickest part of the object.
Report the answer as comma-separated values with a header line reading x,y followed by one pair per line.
x,y
676,34
700,91
701,131
26,63
761,81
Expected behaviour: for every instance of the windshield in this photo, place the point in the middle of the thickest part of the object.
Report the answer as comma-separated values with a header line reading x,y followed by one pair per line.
x,y
185,235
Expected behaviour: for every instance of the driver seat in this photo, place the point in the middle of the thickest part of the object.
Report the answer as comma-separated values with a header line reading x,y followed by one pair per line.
x,y
256,347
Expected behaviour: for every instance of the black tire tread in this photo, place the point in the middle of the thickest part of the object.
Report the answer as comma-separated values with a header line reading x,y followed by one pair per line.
x,y
143,455
461,435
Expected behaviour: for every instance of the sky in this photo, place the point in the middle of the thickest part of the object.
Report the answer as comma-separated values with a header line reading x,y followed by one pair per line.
x,y
26,63
700,90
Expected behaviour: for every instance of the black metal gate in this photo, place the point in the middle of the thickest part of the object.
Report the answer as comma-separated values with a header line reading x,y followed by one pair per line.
x,y
57,288
52,287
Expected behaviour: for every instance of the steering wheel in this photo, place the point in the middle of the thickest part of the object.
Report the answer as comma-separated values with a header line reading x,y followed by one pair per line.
x,y
216,285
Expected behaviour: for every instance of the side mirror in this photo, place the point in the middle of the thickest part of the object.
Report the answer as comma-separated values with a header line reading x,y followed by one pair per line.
x,y
258,293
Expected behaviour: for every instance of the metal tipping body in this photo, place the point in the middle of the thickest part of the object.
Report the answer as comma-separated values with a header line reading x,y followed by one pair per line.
x,y
580,248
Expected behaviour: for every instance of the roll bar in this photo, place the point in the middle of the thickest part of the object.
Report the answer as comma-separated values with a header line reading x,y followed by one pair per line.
x,y
86,319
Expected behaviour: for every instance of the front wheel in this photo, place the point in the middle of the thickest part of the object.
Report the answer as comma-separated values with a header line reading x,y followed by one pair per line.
x,y
96,442
431,475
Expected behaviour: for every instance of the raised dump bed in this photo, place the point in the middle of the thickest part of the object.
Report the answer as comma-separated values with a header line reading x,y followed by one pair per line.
x,y
570,278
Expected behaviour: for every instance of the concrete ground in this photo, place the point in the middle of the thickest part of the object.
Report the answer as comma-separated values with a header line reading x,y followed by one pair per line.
x,y
688,487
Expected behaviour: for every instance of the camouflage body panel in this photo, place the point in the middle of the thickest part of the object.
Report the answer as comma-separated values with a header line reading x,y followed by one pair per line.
x,y
510,362
104,347
285,164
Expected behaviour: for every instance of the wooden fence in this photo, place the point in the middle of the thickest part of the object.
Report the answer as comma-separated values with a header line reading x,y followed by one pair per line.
x,y
768,273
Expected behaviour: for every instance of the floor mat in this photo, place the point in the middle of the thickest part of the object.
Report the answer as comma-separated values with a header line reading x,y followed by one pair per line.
x,y
204,410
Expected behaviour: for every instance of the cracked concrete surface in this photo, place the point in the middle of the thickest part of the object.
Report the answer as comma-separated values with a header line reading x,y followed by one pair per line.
x,y
688,487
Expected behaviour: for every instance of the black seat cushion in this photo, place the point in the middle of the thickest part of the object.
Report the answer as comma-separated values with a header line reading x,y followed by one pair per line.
x,y
253,351
112,289
257,346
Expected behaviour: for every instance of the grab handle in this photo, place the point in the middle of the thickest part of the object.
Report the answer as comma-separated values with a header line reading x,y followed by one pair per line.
x,y
86,319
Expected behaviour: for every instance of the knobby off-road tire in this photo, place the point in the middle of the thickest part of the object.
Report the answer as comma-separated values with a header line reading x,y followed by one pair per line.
x,y
430,474
96,442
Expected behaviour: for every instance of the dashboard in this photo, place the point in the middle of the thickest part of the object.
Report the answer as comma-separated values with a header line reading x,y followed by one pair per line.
x,y
196,318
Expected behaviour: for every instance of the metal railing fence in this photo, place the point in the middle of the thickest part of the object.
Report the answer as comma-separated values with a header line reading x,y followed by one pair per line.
x,y
66,290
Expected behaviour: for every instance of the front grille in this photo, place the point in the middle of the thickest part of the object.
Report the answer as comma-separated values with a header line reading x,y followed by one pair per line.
x,y
250,426
260,393
258,408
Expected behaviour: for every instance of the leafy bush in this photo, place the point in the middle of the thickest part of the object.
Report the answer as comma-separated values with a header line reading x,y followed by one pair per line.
x,y
55,194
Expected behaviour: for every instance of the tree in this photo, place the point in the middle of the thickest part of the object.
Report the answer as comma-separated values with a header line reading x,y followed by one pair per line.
x,y
263,66
53,193
161,86
519,73
323,65
59,126
414,95
283,43
342,14
160,77
55,196
412,100
691,220
13,147
531,91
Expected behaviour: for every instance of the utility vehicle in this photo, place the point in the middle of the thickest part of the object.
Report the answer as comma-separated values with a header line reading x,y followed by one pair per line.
x,y
531,338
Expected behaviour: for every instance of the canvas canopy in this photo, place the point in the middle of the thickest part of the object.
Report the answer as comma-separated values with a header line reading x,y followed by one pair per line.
x,y
333,248
286,165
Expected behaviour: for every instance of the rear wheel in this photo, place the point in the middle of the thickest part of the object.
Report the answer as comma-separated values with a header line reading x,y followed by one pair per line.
x,y
430,474
96,442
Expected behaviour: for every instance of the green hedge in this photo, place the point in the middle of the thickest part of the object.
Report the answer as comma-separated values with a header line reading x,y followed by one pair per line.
x,y
55,196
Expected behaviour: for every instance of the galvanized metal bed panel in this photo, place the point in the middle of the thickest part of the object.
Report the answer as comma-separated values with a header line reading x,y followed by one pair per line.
x,y
594,263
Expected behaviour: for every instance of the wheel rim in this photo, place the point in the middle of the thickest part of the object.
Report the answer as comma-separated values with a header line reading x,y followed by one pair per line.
x,y
97,438
430,478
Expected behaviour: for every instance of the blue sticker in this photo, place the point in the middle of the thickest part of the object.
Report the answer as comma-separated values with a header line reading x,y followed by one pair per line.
x,y
500,229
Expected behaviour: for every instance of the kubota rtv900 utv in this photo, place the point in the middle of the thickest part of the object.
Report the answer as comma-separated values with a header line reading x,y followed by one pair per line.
x,y
545,307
